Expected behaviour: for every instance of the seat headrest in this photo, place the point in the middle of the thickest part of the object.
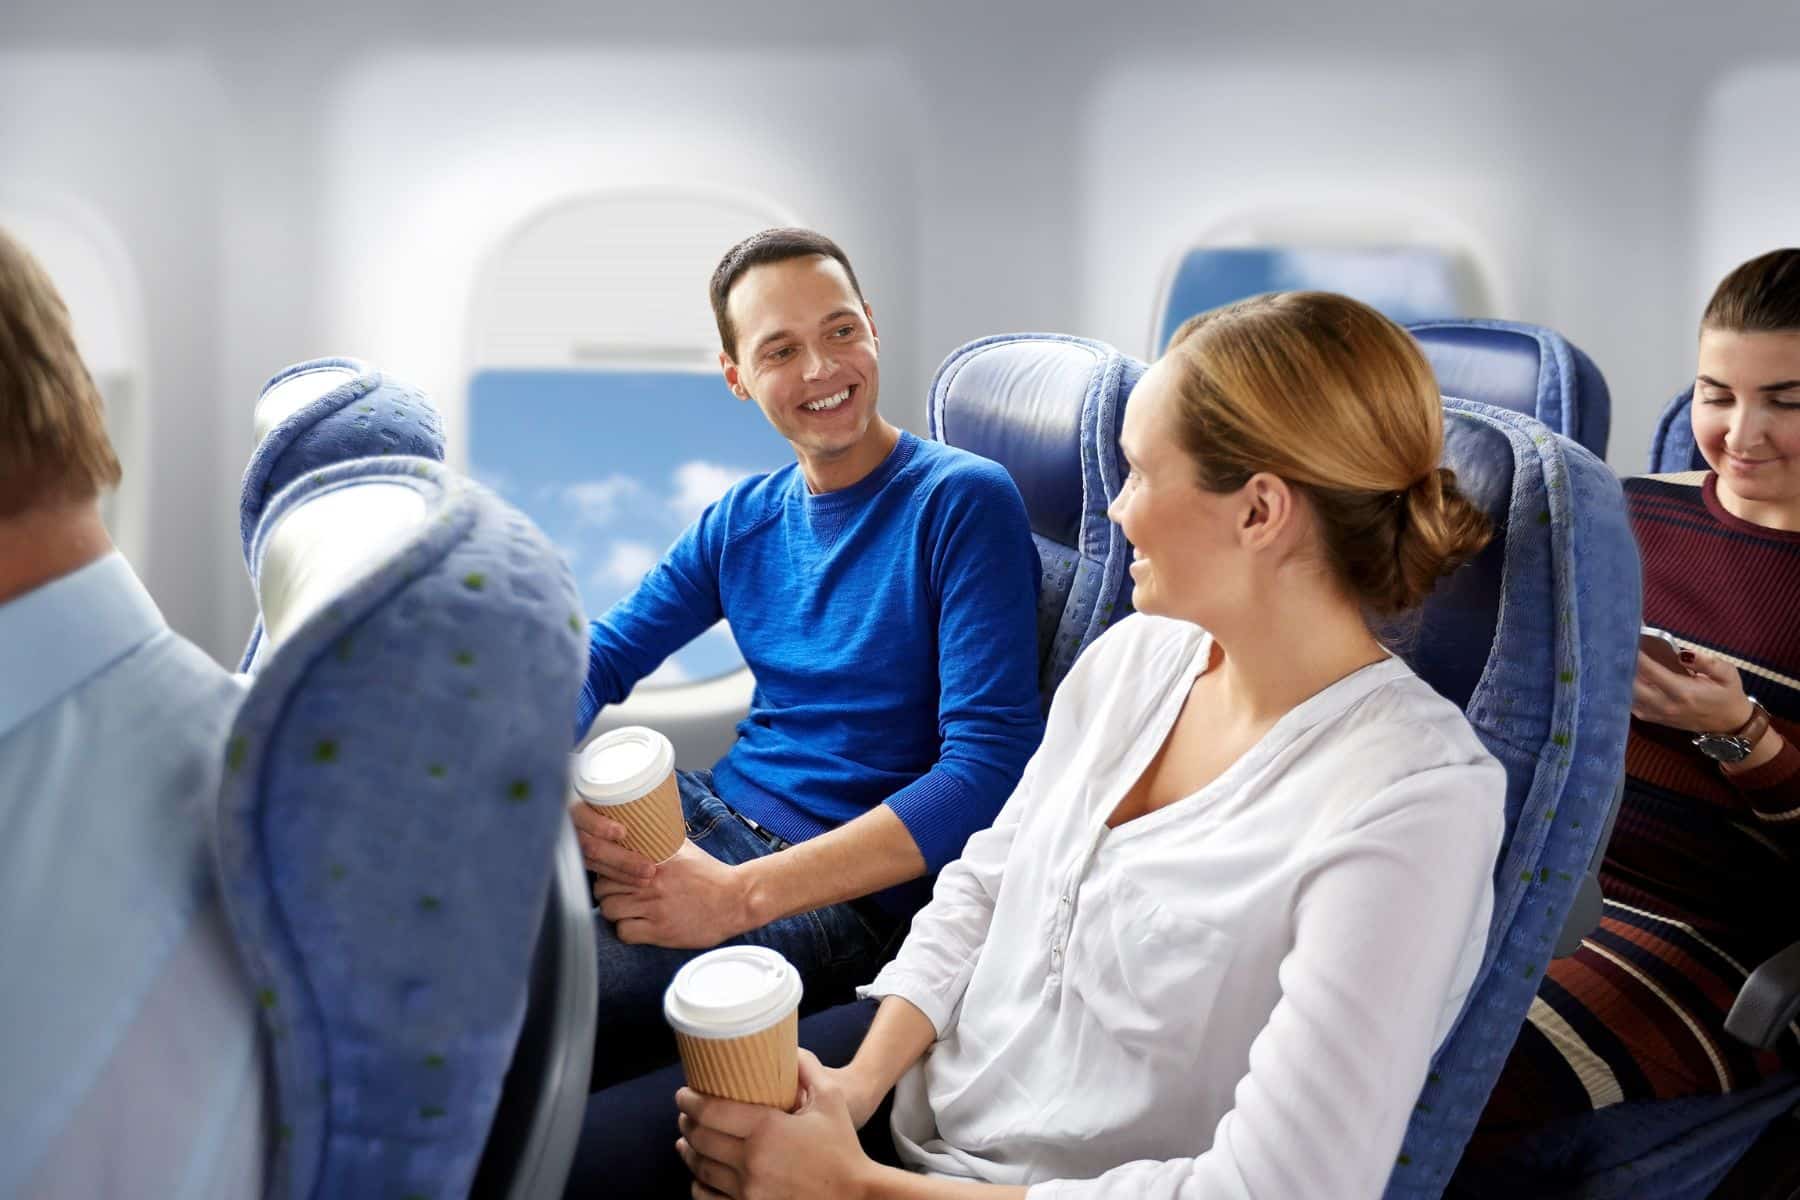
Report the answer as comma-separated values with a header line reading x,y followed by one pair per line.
x,y
1458,624
1407,283
1522,368
1047,407
392,795
1672,447
325,411
1039,404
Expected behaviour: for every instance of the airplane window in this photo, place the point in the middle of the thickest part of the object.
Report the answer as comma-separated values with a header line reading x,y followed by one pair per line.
x,y
595,403
613,465
1406,283
90,272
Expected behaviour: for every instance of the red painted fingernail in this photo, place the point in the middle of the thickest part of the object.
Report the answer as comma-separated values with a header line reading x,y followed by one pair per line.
x,y
1687,656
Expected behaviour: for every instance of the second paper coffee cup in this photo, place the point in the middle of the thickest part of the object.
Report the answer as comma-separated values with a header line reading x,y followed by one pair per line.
x,y
629,774
736,1016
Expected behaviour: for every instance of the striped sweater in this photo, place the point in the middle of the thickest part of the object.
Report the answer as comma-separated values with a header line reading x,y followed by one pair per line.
x,y
1700,877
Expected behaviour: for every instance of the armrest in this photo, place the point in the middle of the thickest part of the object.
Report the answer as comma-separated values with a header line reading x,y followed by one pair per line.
x,y
1768,1002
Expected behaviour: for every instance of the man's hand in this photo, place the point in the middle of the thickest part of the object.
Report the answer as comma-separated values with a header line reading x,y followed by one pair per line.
x,y
692,901
603,847
1710,701
746,1151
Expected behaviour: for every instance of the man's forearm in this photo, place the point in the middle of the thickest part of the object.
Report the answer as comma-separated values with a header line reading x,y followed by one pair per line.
x,y
873,852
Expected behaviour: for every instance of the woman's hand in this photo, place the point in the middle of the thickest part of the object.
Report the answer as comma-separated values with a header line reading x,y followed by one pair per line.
x,y
749,1152
1710,701
862,1096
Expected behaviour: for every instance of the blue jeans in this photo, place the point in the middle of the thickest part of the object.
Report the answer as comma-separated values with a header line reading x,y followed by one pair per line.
x,y
834,948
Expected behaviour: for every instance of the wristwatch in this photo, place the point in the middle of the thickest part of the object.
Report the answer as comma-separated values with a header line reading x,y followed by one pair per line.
x,y
1735,747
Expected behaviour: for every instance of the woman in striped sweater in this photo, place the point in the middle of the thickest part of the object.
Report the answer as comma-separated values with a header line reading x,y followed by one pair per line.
x,y
1700,875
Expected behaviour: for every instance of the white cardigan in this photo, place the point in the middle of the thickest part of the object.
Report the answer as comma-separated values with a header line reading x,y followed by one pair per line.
x,y
1236,995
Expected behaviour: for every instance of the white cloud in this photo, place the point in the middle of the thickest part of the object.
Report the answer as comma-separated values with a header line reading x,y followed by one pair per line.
x,y
626,564
698,483
597,501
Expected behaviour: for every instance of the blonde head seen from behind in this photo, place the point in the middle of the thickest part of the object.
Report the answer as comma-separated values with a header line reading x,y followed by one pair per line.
x,y
1338,401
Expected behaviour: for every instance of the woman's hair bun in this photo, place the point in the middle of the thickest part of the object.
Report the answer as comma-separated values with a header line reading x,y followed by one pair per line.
x,y
1438,529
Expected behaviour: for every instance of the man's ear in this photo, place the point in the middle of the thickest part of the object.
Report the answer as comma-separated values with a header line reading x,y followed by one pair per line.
x,y
874,335
729,368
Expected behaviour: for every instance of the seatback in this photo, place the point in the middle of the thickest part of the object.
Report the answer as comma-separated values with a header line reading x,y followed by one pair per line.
x,y
391,803
1047,407
1672,446
321,412
1407,283
1525,368
1537,640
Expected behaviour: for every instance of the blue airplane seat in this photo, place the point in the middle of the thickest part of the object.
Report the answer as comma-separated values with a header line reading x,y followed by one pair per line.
x,y
1526,368
321,412
1537,640
1406,283
392,846
1047,407
1672,447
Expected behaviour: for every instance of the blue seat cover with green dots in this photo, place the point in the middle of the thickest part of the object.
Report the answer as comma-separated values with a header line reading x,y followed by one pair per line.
x,y
1047,407
1536,639
369,415
392,793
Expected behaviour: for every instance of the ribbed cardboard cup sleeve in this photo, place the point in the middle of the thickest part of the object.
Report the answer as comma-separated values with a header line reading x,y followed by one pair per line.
x,y
653,823
759,1068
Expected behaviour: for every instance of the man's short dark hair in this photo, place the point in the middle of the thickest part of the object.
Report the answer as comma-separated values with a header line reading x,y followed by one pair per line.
x,y
1760,296
759,249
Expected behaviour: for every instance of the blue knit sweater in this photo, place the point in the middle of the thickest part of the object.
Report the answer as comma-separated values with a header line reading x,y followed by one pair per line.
x,y
891,629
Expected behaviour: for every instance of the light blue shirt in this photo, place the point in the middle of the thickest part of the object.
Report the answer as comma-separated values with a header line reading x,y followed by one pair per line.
x,y
131,1061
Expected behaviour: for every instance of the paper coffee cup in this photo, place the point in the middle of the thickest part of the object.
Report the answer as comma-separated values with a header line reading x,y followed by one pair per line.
x,y
736,1016
629,774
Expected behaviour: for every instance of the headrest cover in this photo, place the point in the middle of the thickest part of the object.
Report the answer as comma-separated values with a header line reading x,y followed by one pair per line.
x,y
363,414
294,389
392,795
320,547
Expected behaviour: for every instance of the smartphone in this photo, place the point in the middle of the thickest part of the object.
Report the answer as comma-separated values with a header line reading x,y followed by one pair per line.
x,y
1662,647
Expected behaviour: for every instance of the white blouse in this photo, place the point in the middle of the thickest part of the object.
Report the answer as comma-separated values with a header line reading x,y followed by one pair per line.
x,y
1236,995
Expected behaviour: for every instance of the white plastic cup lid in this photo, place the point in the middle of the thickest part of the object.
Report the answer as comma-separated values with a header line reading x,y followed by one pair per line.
x,y
732,992
618,767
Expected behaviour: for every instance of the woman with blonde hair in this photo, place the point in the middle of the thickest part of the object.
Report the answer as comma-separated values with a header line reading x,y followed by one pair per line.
x,y
1238,898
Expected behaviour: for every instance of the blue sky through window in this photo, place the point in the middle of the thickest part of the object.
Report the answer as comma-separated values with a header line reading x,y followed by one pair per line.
x,y
613,465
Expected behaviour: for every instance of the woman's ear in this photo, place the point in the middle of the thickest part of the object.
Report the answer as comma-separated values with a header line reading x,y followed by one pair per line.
x,y
1267,514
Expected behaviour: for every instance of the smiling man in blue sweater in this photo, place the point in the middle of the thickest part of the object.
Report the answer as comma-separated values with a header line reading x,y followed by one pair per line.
x,y
883,591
